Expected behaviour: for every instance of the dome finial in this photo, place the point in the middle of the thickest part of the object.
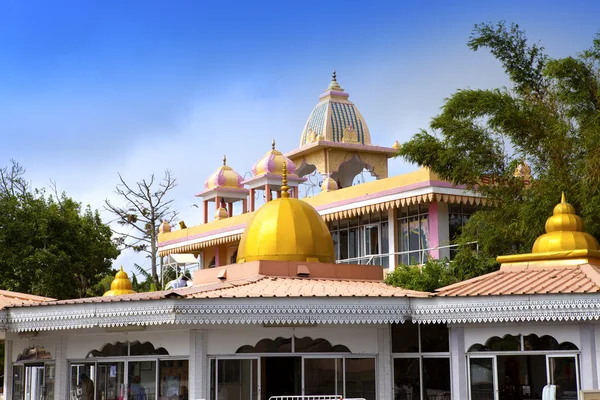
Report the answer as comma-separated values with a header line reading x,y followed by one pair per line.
x,y
284,187
273,144
562,198
334,85
334,76
224,159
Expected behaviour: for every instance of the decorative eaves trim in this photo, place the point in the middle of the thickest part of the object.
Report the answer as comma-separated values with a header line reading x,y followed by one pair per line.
x,y
497,309
217,311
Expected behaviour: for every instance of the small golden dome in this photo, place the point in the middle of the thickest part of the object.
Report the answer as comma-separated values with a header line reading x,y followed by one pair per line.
x,y
164,227
564,232
120,285
272,163
329,184
224,177
221,213
286,229
397,145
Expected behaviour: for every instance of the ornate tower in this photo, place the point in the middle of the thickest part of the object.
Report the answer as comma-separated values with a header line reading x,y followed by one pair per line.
x,y
336,141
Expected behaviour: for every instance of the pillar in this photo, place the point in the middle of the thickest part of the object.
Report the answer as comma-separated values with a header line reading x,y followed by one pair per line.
x,y
458,363
392,242
217,203
588,368
198,379
61,383
252,200
244,206
8,372
439,230
268,192
230,209
217,256
206,211
385,385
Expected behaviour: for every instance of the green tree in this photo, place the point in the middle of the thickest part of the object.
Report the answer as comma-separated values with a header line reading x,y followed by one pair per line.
x,y
50,245
549,118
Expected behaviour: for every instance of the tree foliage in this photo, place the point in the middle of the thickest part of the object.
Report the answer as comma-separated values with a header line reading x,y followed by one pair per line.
x,y
145,206
49,245
549,117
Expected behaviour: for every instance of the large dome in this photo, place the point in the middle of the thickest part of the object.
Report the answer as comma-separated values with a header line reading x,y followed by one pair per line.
x,y
286,229
335,119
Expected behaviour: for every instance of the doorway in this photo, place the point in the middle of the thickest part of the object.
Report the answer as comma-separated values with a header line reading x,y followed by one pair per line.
x,y
282,376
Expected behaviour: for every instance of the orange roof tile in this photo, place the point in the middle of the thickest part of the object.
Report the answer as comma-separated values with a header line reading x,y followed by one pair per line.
x,y
582,278
10,299
274,286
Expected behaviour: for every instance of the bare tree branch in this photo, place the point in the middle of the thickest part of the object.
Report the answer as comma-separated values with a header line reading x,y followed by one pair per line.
x,y
145,206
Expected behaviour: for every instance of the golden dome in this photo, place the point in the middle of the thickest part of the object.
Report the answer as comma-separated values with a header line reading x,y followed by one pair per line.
x,y
224,177
397,145
329,184
272,163
221,213
286,229
120,285
564,232
164,227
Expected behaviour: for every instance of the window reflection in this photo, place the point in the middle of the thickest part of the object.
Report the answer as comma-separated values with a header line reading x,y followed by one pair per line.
x,y
407,380
323,375
360,378
174,379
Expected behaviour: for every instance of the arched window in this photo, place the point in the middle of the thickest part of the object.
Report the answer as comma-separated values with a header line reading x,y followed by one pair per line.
x,y
293,344
522,343
124,349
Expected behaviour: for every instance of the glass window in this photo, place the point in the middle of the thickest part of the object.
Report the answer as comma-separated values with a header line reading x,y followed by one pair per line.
x,y
236,379
407,380
436,378
83,378
141,376
323,375
18,381
344,245
434,338
405,338
353,244
111,381
173,377
360,378
521,375
482,378
563,374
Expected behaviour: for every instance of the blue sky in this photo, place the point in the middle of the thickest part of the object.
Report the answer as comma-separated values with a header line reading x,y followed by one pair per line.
x,y
92,88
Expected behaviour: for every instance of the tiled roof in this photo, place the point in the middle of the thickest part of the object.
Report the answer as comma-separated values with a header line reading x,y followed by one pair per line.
x,y
10,299
583,278
273,286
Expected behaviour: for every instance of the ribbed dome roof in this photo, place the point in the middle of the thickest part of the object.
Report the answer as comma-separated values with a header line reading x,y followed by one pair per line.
x,y
272,163
564,232
224,177
286,229
335,119
120,285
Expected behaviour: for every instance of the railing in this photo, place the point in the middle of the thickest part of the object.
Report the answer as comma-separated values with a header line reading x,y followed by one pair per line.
x,y
423,254
313,397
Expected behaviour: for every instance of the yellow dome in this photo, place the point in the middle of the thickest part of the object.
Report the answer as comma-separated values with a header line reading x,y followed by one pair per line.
x,y
329,184
272,163
286,229
397,145
564,232
120,285
221,213
224,177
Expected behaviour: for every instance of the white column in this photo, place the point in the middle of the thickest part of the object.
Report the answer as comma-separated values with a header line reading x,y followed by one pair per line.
x,y
458,363
588,368
198,365
384,364
392,238
8,373
61,378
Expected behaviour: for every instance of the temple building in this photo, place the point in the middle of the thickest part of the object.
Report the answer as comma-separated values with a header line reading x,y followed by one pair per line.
x,y
279,313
